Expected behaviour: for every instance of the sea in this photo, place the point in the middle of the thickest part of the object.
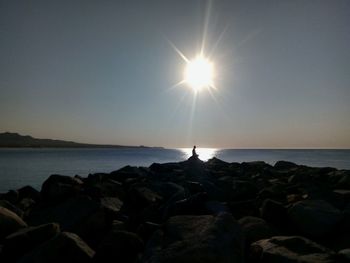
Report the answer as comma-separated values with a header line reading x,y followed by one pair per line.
x,y
32,166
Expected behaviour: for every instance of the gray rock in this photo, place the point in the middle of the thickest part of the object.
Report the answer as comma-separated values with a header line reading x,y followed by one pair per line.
x,y
315,218
65,247
197,239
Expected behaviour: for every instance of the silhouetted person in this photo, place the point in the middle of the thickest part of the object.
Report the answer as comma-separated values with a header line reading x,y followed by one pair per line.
x,y
194,154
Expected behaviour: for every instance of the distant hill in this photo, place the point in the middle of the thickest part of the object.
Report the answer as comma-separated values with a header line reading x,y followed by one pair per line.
x,y
11,140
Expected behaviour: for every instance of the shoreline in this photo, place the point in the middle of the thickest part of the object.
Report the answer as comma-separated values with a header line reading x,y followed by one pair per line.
x,y
220,211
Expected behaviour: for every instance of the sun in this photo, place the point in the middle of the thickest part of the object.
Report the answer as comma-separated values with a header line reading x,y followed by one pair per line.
x,y
199,73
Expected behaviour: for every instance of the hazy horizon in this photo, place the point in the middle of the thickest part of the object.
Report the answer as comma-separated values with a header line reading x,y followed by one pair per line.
x,y
104,72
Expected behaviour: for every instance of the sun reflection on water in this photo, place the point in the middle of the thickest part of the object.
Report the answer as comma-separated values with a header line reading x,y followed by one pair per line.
x,y
203,153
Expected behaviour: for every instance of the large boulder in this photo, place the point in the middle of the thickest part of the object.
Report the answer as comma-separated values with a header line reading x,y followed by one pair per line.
x,y
120,246
11,207
284,165
65,247
315,218
59,187
28,192
9,222
197,239
80,215
255,228
26,239
290,249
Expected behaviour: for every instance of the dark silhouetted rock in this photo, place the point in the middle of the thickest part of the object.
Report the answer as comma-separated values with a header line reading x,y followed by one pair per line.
x,y
290,249
28,192
65,247
345,254
26,239
80,215
143,196
197,239
274,212
127,172
60,187
112,204
11,196
315,218
9,222
255,228
284,165
120,246
11,207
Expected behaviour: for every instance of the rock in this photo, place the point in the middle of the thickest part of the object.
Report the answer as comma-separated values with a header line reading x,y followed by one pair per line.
x,y
255,228
80,215
26,204
11,207
65,247
165,167
344,182
240,209
59,187
120,246
275,192
9,222
26,239
284,165
126,173
194,187
118,226
112,204
290,249
274,212
141,196
300,178
197,239
216,207
28,192
105,188
11,196
345,253
146,230
243,190
194,205
314,218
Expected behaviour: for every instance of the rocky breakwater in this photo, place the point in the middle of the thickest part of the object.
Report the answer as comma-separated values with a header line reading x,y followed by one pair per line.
x,y
190,211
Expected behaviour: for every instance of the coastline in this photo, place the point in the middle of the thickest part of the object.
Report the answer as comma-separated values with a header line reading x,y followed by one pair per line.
x,y
249,212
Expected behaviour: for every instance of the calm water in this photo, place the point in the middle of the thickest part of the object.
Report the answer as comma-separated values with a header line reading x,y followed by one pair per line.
x,y
19,167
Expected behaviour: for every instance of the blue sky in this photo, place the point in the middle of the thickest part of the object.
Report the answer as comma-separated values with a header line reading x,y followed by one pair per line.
x,y
102,72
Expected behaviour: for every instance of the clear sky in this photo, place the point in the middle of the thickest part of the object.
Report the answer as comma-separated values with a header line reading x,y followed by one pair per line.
x,y
102,72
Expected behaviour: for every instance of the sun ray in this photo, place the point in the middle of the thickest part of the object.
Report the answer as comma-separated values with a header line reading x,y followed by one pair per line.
x,y
178,51
205,28
216,44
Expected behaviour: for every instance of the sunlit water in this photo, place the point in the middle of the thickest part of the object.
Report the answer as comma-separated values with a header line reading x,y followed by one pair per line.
x,y
19,167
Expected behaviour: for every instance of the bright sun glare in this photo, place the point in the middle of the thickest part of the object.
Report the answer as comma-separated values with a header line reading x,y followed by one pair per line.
x,y
199,73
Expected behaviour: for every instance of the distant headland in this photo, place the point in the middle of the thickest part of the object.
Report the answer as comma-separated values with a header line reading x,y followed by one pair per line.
x,y
15,140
